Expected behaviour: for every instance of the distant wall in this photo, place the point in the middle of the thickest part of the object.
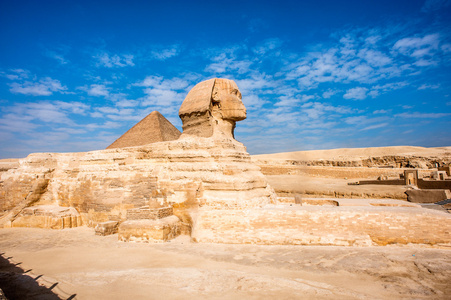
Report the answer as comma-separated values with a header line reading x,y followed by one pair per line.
x,y
334,172
383,182
434,184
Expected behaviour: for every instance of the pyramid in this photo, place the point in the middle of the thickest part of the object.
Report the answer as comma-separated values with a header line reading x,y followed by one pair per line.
x,y
153,128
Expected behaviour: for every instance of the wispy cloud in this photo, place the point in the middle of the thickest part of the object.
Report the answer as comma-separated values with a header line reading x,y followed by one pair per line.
x,y
418,115
357,93
107,60
227,60
43,87
376,126
429,86
161,53
161,92
98,90
58,54
329,93
25,117
267,46
422,49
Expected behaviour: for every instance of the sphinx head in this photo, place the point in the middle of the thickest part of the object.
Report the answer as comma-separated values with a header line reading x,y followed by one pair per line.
x,y
212,107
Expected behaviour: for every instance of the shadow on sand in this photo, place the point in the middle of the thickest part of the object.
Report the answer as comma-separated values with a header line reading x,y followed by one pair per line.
x,y
17,283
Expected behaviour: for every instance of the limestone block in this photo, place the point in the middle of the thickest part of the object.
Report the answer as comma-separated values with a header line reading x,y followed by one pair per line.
x,y
106,228
427,196
159,230
149,213
48,216
307,201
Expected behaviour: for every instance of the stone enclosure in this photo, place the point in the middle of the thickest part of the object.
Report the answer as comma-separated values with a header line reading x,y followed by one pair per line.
x,y
202,184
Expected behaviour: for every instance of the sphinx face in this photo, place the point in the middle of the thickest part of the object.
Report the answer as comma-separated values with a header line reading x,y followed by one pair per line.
x,y
232,108
212,106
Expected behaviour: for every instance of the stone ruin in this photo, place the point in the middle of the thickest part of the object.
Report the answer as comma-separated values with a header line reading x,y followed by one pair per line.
x,y
202,184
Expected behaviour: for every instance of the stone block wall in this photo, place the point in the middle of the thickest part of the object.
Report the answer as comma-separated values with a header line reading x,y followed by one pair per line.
x,y
149,214
434,184
341,226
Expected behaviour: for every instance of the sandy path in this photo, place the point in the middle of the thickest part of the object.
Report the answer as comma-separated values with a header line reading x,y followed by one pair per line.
x,y
86,266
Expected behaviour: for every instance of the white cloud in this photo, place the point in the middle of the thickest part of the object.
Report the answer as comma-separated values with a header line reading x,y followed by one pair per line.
x,y
357,93
28,117
267,46
127,103
17,74
98,90
44,87
111,61
429,86
226,60
376,126
163,92
106,125
423,49
374,57
165,53
418,115
329,93
382,111
58,54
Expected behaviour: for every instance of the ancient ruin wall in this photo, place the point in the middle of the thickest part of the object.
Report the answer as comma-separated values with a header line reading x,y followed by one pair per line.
x,y
341,226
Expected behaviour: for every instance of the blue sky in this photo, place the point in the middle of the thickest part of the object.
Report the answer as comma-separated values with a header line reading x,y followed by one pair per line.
x,y
75,75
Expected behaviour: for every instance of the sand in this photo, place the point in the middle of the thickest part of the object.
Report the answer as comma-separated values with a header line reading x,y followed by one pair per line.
x,y
76,264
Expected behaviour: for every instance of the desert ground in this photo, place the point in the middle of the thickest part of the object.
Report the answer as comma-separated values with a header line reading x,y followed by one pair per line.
x,y
76,264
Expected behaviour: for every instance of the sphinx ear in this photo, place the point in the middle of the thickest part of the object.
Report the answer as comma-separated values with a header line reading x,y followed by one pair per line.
x,y
215,96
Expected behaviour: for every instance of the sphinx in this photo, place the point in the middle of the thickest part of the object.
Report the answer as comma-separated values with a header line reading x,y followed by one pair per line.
x,y
204,167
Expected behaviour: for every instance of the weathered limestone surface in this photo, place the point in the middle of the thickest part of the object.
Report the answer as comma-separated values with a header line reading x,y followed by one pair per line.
x,y
159,230
48,216
313,225
103,185
106,228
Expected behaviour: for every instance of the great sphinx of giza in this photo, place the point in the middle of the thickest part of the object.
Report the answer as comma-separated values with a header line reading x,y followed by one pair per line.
x,y
205,167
